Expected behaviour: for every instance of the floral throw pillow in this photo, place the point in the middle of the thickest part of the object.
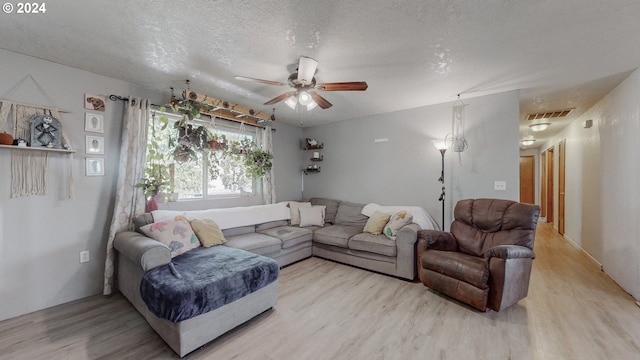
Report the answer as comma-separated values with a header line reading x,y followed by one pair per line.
x,y
397,221
176,234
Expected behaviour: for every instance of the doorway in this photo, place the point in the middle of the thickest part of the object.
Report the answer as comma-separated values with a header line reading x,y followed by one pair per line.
x,y
543,184
527,179
549,182
561,173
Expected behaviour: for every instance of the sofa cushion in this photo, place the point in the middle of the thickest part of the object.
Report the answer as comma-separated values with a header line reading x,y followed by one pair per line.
x,y
271,224
467,268
256,243
377,244
313,215
376,222
350,214
176,234
289,235
249,229
337,235
208,232
331,208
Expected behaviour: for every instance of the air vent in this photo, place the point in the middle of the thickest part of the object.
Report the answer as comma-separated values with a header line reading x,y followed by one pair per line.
x,y
550,115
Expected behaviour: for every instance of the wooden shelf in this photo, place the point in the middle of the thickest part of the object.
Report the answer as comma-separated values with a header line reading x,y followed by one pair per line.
x,y
13,147
310,170
317,159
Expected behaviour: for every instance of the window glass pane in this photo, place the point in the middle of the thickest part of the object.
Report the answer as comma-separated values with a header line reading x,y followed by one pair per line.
x,y
227,175
208,173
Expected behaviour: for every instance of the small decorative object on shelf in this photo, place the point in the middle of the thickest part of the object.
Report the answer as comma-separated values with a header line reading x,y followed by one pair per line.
x,y
312,168
312,144
317,157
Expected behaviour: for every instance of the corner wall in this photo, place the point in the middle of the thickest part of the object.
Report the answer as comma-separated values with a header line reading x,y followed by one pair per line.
x,y
404,169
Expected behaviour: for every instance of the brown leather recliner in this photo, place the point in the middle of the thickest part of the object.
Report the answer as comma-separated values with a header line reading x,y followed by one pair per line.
x,y
485,261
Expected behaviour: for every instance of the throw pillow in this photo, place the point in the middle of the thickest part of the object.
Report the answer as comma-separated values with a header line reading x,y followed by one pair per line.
x,y
397,221
176,234
376,222
208,232
313,215
294,208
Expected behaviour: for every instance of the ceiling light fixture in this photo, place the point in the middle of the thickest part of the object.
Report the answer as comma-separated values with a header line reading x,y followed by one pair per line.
x,y
527,141
539,126
303,98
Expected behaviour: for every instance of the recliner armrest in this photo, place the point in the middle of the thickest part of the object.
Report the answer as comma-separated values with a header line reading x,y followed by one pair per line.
x,y
510,252
436,240
142,250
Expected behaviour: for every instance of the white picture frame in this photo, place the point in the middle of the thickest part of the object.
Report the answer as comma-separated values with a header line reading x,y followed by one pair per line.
x,y
94,166
93,123
94,145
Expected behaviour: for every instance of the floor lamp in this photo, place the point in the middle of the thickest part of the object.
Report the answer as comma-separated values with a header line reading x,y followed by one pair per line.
x,y
442,147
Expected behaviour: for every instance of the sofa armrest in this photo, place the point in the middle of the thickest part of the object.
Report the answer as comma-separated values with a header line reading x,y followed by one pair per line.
x,y
142,250
510,252
436,240
406,247
407,235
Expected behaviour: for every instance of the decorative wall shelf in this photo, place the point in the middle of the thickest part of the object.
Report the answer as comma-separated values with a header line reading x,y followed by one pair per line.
x,y
13,147
312,169
317,158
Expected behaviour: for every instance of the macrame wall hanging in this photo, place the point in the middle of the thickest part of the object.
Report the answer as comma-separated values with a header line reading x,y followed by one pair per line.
x,y
39,127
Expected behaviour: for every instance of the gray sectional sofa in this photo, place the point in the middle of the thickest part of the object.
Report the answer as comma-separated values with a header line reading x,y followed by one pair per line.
x,y
341,239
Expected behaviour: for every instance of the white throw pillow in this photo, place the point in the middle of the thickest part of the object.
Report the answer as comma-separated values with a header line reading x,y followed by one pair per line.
x,y
313,215
294,208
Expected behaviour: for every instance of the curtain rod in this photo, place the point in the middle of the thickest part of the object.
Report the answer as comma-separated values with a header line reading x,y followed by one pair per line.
x,y
114,97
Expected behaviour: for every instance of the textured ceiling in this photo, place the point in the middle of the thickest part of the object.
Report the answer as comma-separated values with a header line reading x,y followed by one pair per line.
x,y
412,53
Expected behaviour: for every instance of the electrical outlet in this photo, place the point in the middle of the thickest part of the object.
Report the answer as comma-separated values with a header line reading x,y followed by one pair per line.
x,y
84,256
500,185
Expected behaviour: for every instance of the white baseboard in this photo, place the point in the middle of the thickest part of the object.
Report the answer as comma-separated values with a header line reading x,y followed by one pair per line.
x,y
575,245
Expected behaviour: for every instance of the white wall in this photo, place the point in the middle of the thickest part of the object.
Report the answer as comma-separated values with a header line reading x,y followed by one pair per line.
x,y
41,236
602,177
404,170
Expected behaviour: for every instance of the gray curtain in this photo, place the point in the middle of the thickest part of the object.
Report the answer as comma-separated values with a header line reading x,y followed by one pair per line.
x,y
130,201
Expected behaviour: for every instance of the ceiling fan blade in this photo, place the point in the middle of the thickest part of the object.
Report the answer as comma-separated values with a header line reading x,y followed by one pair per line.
x,y
280,97
343,86
322,102
306,70
268,82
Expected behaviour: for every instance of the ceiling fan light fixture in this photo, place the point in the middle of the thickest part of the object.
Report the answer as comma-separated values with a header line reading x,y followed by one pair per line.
x,y
539,126
304,98
291,102
312,105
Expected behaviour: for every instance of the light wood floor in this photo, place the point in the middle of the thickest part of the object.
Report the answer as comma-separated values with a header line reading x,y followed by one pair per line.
x,y
327,310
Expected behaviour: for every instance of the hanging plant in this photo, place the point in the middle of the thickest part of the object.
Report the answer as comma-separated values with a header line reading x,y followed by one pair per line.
x,y
258,162
242,147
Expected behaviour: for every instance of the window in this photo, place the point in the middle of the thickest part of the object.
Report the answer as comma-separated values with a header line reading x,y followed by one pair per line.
x,y
196,171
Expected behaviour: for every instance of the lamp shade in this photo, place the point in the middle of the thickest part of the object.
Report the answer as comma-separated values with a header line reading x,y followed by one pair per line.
x,y
539,126
291,102
439,144
527,142
304,98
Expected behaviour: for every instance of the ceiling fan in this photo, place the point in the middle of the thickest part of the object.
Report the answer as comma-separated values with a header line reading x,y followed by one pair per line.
x,y
304,83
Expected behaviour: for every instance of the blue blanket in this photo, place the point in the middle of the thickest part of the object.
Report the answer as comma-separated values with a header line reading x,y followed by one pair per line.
x,y
204,279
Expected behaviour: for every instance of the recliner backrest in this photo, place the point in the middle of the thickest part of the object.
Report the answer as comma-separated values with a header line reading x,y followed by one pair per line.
x,y
481,224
